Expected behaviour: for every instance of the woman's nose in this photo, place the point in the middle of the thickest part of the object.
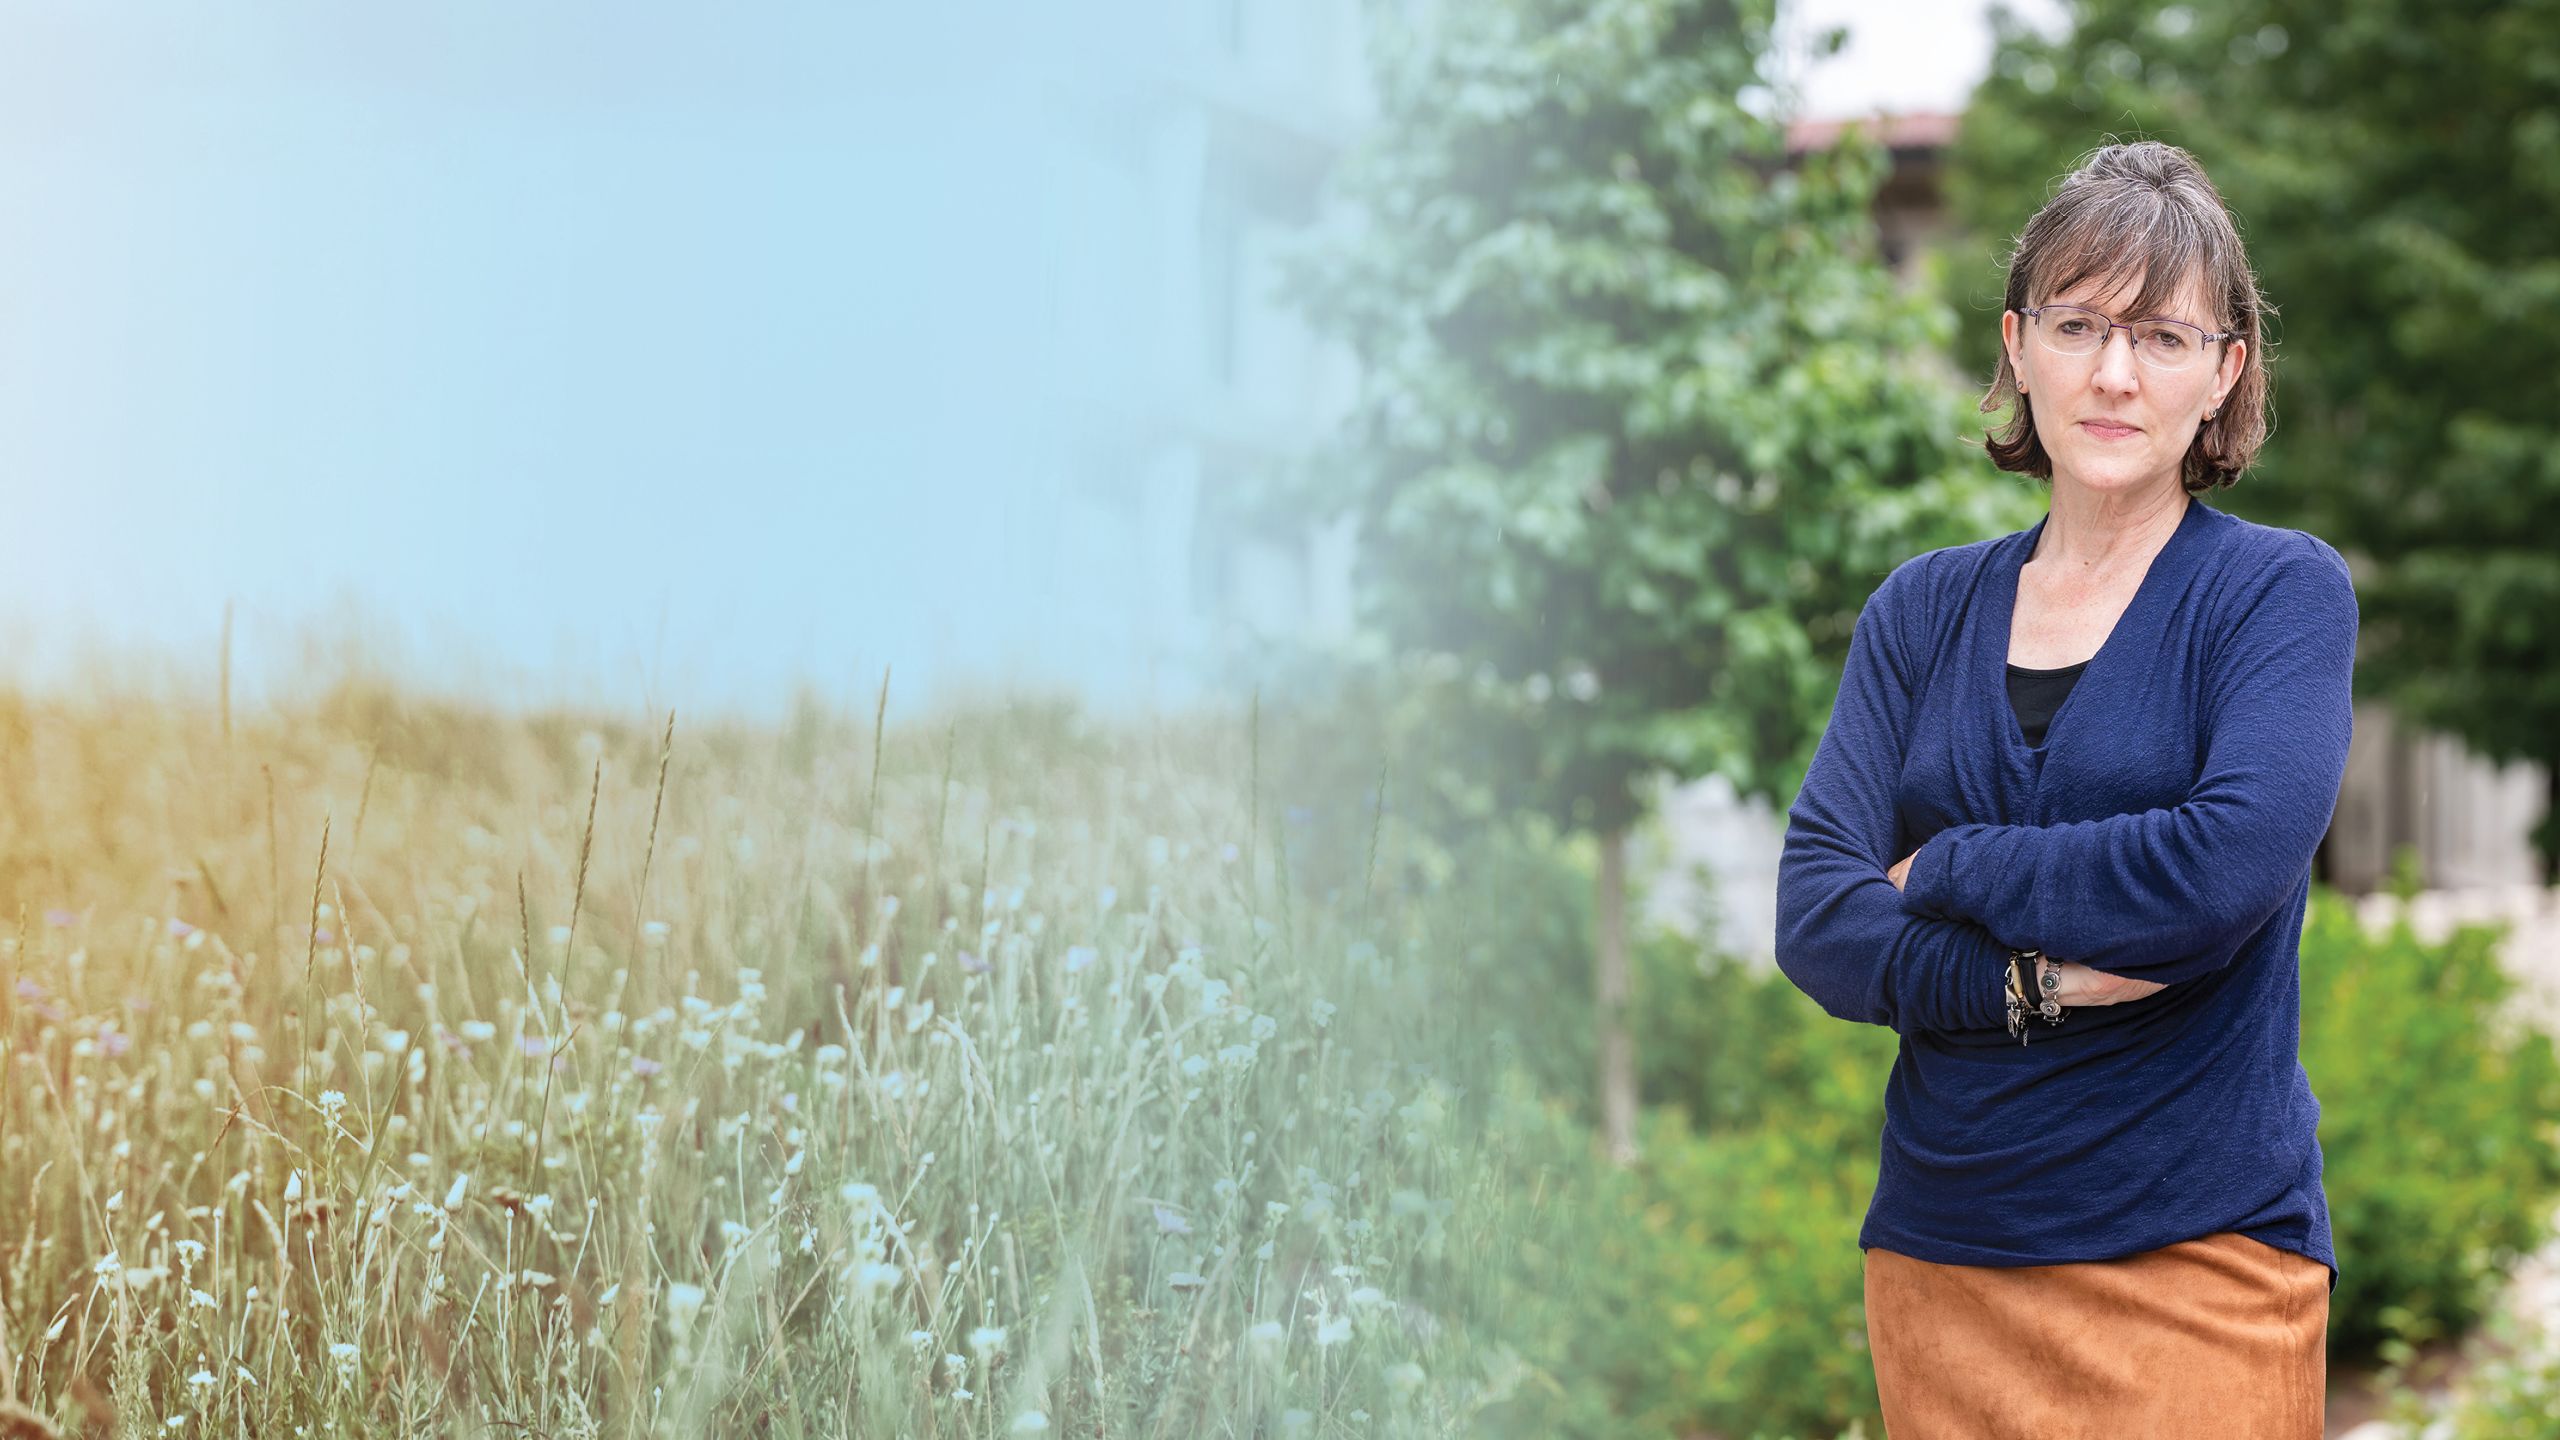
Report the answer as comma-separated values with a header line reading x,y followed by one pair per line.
x,y
2117,367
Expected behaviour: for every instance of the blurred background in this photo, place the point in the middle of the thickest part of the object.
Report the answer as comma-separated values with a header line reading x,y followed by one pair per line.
x,y
1386,484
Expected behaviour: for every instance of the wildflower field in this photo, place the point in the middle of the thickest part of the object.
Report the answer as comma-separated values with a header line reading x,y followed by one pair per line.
x,y
391,1068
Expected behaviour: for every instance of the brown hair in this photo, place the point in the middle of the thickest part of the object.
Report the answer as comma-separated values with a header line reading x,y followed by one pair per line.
x,y
2143,206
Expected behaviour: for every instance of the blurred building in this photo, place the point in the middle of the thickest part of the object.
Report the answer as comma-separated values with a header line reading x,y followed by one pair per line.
x,y
1910,207
1220,136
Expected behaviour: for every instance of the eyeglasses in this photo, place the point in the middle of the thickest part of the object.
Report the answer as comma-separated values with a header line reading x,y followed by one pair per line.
x,y
2160,344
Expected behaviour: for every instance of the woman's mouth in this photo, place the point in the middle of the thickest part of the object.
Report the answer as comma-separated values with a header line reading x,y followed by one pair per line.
x,y
2106,431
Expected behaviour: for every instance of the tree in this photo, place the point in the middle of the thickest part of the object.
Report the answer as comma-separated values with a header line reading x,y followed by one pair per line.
x,y
1643,418
2395,166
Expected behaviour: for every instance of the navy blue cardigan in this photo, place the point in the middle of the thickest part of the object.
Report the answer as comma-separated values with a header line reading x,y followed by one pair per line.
x,y
2164,829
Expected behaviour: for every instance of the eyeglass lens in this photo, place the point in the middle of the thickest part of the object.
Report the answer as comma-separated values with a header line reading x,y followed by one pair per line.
x,y
2167,344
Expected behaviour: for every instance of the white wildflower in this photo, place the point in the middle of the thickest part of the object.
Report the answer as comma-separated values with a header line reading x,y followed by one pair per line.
x,y
683,1303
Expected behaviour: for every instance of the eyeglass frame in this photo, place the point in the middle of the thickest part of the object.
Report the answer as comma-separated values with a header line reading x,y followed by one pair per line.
x,y
2113,325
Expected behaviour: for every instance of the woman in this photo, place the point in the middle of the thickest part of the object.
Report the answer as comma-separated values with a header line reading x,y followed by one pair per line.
x,y
2108,746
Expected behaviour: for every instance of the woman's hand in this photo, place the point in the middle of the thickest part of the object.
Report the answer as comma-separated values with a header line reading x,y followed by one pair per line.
x,y
2080,984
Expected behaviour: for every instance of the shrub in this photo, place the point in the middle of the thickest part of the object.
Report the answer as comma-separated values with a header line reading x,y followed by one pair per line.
x,y
2436,1109
1714,1287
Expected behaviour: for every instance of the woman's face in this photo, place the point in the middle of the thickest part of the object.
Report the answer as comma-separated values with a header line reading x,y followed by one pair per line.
x,y
2072,396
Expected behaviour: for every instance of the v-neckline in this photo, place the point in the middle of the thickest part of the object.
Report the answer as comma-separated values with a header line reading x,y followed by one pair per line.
x,y
1993,645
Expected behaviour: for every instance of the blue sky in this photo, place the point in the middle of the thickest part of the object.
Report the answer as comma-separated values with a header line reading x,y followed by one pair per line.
x,y
666,354
581,336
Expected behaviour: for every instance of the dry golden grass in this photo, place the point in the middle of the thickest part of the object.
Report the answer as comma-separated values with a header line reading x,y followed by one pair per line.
x,y
394,1068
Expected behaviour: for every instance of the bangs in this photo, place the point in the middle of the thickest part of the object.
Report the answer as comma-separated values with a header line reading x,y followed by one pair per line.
x,y
2127,234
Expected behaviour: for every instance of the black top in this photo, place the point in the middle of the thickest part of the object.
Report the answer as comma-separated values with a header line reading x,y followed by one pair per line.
x,y
2035,694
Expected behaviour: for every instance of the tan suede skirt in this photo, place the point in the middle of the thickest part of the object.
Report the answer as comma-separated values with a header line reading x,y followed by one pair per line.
x,y
2223,1336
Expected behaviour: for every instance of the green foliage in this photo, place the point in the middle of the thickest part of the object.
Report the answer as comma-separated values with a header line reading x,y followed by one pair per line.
x,y
2394,164
2436,1123
2513,1395
1733,1046
1714,1286
1375,815
1643,418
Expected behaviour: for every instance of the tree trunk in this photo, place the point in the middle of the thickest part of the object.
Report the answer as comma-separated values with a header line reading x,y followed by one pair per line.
x,y
1617,1047
2551,822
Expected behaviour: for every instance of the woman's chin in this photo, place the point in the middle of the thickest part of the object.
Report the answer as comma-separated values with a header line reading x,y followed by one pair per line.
x,y
2109,474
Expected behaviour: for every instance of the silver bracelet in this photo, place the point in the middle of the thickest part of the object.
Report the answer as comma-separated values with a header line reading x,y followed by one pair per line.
x,y
2047,983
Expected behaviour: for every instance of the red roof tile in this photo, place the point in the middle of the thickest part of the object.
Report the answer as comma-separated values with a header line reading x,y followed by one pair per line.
x,y
1917,130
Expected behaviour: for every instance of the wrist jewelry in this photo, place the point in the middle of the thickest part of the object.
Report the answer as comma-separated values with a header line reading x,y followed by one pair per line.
x,y
2033,986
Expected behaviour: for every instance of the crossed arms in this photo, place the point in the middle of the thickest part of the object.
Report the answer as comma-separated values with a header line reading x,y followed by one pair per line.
x,y
2165,895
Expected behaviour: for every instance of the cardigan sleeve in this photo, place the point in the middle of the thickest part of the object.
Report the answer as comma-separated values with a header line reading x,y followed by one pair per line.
x,y
1842,935
2172,894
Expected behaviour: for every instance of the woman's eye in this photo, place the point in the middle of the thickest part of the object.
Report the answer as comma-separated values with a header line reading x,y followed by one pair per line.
x,y
2075,327
2168,340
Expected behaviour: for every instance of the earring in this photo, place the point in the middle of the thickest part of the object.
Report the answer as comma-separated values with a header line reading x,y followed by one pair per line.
x,y
2209,414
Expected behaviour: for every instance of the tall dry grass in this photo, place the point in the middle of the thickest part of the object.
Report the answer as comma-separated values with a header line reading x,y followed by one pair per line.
x,y
389,1067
